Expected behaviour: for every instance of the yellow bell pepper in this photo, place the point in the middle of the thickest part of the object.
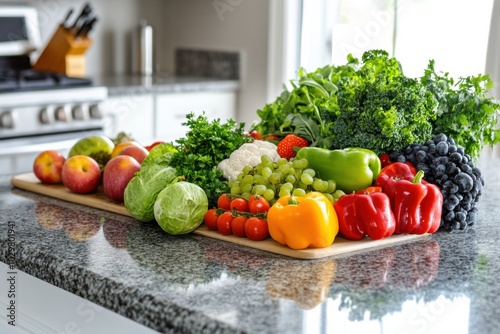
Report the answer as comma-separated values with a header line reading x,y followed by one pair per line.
x,y
302,222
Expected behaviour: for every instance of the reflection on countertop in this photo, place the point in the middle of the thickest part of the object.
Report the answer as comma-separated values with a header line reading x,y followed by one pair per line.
x,y
196,284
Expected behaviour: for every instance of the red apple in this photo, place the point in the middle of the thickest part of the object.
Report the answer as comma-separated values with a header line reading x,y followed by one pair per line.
x,y
139,153
119,147
49,216
85,227
117,174
48,166
81,174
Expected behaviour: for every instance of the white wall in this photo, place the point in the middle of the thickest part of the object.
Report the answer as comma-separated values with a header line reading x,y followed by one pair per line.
x,y
242,27
111,50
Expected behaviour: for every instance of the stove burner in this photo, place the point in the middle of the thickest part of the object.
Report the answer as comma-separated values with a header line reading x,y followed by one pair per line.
x,y
26,79
7,83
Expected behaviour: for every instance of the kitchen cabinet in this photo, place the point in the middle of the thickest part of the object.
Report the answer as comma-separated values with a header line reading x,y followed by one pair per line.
x,y
74,314
131,113
171,110
159,116
154,108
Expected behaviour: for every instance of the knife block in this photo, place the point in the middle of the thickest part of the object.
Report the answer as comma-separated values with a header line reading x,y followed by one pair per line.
x,y
64,53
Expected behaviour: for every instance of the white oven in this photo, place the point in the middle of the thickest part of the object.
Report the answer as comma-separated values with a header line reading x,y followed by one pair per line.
x,y
33,121
39,110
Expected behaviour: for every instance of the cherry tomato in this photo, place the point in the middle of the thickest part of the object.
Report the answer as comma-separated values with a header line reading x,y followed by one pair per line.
x,y
258,204
224,223
256,229
239,204
210,219
252,198
224,202
238,226
256,135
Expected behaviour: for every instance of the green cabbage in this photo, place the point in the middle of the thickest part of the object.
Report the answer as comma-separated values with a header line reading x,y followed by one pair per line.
x,y
159,155
140,193
180,207
155,174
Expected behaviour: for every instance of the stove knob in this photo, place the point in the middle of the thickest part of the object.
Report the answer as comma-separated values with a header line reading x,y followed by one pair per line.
x,y
77,113
43,116
95,112
6,120
60,114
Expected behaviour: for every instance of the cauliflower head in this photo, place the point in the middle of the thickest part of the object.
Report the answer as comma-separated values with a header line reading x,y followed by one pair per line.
x,y
248,154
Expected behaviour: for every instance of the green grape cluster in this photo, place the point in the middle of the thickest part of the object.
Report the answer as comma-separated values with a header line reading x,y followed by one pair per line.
x,y
273,180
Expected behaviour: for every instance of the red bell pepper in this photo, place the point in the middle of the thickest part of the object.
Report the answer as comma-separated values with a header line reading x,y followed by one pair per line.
x,y
392,173
417,207
366,213
419,265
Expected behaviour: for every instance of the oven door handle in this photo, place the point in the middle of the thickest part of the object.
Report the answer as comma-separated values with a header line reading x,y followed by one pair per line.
x,y
36,148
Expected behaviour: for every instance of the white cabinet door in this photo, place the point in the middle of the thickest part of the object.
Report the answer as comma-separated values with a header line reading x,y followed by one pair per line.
x,y
171,110
40,307
133,114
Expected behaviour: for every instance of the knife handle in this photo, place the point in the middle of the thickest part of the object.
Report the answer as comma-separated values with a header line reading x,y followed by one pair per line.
x,y
70,12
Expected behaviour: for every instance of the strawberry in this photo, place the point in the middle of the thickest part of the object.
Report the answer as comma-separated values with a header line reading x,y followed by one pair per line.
x,y
285,146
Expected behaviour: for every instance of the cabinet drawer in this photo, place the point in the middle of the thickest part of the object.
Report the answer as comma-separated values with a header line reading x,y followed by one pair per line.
x,y
171,110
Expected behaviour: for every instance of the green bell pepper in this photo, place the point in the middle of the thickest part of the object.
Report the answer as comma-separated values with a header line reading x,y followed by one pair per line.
x,y
352,168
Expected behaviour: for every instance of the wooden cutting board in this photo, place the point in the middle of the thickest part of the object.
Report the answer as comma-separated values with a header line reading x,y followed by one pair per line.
x,y
98,200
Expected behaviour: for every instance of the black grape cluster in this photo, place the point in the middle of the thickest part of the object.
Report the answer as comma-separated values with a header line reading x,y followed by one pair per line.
x,y
448,166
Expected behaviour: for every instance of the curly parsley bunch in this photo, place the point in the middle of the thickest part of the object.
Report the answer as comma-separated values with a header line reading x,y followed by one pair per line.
x,y
205,145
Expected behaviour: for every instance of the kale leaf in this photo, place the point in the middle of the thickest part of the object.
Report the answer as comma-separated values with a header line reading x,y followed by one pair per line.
x,y
380,108
465,112
372,104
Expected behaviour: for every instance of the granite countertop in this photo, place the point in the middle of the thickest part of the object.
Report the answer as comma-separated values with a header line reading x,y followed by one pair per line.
x,y
126,84
190,283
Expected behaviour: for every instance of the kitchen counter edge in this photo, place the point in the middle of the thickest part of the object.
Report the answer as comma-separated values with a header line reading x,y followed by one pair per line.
x,y
118,85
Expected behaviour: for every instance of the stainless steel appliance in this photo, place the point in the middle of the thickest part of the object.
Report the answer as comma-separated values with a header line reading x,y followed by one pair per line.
x,y
39,110
142,49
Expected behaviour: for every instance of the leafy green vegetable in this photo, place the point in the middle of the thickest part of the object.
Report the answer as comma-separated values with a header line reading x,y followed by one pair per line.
x,y
205,145
372,104
142,190
180,207
299,111
155,174
465,112
380,108
159,155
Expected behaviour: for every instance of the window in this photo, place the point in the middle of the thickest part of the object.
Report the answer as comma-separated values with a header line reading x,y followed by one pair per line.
x,y
452,32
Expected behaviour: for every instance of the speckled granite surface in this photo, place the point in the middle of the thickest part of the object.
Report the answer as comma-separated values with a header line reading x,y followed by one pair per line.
x,y
161,83
192,284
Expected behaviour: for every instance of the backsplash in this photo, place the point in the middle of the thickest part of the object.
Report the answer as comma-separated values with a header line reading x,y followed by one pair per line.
x,y
208,64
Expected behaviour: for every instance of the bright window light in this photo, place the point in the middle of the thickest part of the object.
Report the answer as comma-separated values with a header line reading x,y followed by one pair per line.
x,y
452,32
